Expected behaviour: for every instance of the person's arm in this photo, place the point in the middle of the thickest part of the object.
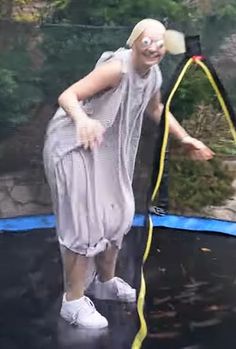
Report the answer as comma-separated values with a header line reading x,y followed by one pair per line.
x,y
197,150
104,77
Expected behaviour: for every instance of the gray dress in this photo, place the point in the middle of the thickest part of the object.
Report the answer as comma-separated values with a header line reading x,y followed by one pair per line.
x,y
92,190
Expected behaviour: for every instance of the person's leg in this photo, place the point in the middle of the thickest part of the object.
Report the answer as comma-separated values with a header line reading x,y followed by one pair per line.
x,y
76,308
75,269
106,285
106,263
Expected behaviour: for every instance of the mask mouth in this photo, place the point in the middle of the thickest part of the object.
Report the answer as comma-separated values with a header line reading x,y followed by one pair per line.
x,y
152,55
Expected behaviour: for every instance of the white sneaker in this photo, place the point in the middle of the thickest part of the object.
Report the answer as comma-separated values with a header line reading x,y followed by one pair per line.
x,y
82,312
114,289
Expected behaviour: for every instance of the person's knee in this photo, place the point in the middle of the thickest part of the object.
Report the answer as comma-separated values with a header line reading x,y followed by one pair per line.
x,y
108,256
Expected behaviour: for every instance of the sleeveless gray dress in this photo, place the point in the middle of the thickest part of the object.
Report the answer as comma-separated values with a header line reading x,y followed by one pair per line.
x,y
92,190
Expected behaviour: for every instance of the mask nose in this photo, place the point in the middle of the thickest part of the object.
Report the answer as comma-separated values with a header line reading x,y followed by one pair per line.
x,y
153,48
156,46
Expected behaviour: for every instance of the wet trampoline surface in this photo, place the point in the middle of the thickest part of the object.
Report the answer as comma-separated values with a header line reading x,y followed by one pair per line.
x,y
190,303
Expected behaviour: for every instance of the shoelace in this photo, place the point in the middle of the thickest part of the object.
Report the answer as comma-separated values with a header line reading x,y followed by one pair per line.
x,y
87,306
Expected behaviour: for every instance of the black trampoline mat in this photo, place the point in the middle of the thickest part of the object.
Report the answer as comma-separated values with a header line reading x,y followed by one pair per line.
x,y
190,300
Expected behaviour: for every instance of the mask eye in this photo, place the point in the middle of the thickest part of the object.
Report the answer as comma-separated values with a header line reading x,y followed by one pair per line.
x,y
160,43
146,41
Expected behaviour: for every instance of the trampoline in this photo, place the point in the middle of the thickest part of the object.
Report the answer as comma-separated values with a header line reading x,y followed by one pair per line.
x,y
190,283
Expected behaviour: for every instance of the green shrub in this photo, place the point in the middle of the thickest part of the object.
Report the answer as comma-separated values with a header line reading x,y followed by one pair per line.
x,y
194,185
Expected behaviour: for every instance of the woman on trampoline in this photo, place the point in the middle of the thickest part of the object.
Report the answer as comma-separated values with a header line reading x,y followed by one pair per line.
x,y
89,156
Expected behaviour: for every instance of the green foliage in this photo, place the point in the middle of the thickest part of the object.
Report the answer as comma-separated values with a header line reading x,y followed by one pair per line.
x,y
19,86
30,10
69,59
195,89
216,25
16,100
60,4
22,2
122,12
194,185
227,148
7,7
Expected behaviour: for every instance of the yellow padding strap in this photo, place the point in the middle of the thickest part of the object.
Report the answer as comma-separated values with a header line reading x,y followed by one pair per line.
x,y
166,131
219,96
137,343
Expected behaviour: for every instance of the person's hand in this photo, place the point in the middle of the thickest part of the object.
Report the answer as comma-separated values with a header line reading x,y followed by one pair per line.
x,y
196,149
89,132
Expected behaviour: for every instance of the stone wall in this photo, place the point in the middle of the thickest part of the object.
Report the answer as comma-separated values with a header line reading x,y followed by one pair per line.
x,y
24,193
